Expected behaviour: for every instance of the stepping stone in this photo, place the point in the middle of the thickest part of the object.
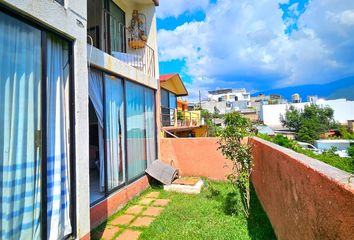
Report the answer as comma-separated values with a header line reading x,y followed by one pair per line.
x,y
107,233
142,222
134,209
146,201
123,220
153,211
161,202
129,234
153,195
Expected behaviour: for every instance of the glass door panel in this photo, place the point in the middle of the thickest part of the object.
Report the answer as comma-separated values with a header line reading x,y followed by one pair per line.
x,y
117,28
150,122
114,129
136,132
58,191
20,130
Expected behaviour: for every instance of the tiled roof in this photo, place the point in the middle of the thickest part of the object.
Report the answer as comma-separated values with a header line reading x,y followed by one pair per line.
x,y
165,77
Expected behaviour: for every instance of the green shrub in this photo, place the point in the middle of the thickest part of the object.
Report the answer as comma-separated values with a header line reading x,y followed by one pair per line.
x,y
310,122
329,157
350,151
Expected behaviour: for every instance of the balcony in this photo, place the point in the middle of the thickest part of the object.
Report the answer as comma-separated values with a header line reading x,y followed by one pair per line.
x,y
108,32
173,118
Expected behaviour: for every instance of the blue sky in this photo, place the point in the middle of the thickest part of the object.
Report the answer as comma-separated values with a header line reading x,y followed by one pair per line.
x,y
257,44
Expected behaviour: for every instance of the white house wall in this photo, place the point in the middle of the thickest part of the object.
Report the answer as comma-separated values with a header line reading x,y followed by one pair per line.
x,y
343,111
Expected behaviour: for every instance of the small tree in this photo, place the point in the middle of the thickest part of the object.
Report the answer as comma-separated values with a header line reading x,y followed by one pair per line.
x,y
213,130
310,123
235,149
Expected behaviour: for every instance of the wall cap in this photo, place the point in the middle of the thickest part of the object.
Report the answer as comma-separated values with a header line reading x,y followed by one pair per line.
x,y
339,176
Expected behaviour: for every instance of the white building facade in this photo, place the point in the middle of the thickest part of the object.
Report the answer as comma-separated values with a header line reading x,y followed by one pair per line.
x,y
272,115
230,95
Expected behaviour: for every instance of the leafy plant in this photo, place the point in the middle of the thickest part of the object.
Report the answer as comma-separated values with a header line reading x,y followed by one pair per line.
x,y
345,134
350,151
213,129
329,156
309,123
234,148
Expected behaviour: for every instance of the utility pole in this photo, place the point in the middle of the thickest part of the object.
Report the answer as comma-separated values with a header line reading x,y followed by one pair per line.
x,y
200,100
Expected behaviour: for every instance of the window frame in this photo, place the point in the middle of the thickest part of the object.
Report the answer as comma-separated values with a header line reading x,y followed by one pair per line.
x,y
169,104
107,27
111,192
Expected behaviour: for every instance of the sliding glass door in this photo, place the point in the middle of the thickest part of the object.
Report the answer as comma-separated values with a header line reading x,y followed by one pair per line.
x,y
150,123
34,120
57,92
20,130
126,113
114,129
136,131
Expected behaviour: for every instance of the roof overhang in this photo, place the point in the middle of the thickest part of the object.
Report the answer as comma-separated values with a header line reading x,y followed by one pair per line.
x,y
157,2
173,83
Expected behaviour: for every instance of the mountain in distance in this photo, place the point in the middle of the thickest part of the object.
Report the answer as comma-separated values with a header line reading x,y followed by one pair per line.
x,y
343,88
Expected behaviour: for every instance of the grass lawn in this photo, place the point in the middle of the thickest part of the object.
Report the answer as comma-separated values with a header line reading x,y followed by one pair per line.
x,y
206,216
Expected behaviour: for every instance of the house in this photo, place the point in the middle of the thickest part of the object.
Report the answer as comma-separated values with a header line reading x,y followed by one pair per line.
x,y
176,119
78,87
223,101
229,95
272,115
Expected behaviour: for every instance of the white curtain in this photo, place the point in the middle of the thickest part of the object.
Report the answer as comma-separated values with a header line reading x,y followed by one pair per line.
x,y
114,113
136,132
20,128
58,214
96,96
150,125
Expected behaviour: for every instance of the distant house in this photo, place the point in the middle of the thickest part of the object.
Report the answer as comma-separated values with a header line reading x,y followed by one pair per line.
x,y
272,115
230,95
176,119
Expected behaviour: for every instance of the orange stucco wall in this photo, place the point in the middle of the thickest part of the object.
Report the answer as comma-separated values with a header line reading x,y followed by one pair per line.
x,y
100,212
303,198
195,157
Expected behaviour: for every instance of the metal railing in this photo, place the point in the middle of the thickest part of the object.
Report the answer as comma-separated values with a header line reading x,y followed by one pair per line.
x,y
176,118
119,43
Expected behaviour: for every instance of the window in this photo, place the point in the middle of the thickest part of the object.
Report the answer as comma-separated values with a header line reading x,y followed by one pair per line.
x,y
140,128
114,132
165,100
122,132
173,100
117,28
168,106
34,127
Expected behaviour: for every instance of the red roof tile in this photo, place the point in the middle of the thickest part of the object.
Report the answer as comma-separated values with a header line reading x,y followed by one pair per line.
x,y
165,77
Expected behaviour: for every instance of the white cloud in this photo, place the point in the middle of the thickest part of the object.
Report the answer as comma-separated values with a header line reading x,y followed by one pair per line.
x,y
243,41
174,8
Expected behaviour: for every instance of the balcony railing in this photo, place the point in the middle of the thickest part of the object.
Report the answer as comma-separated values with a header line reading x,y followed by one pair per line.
x,y
174,118
118,41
